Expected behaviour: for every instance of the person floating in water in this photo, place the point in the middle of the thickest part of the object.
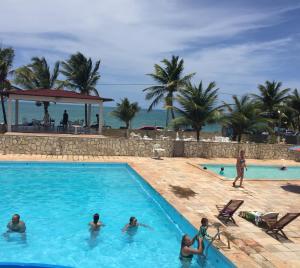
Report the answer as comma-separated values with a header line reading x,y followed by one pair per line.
x,y
283,168
203,229
16,225
187,251
240,167
96,224
133,225
222,171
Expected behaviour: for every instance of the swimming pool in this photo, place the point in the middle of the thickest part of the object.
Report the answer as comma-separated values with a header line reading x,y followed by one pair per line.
x,y
258,172
57,200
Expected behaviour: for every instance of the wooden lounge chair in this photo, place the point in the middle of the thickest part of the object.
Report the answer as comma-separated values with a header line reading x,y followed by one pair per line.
x,y
274,226
226,212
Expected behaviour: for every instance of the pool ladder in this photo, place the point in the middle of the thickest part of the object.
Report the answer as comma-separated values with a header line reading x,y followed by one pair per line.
x,y
218,237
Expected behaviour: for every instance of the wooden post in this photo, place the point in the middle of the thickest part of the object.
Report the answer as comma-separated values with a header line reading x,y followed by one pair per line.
x,y
9,115
89,115
17,112
100,117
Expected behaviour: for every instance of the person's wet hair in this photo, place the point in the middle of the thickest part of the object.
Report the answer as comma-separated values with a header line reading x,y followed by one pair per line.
x,y
183,240
132,220
204,221
17,215
222,168
204,167
96,218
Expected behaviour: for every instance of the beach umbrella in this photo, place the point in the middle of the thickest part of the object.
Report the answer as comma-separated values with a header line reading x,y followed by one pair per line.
x,y
295,148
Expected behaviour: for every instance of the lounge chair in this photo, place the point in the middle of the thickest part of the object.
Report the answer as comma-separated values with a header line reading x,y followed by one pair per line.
x,y
274,226
258,218
226,212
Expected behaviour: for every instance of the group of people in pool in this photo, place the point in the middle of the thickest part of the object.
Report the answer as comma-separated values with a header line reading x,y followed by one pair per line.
x,y
187,251
16,225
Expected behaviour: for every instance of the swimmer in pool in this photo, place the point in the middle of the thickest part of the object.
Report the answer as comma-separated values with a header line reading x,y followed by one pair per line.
x,y
16,225
96,224
283,168
133,225
187,251
222,171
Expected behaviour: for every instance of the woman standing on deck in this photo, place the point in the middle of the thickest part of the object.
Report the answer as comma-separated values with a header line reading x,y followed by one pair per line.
x,y
240,167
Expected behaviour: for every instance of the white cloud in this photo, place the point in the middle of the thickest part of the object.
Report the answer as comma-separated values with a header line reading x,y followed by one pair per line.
x,y
131,35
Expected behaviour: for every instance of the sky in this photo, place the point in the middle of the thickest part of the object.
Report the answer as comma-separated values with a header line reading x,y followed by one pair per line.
x,y
238,44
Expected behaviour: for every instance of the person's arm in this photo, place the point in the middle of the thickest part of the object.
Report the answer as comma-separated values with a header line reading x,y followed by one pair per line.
x,y
238,162
125,228
190,250
145,225
23,228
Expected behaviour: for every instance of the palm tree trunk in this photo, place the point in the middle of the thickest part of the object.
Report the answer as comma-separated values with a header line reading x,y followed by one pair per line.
x,y
3,110
198,134
46,105
167,118
239,137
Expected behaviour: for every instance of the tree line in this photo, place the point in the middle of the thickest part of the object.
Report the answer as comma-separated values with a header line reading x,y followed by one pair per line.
x,y
186,104
197,105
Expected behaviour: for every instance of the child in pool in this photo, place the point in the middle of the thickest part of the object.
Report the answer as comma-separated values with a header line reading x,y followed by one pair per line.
x,y
203,229
222,171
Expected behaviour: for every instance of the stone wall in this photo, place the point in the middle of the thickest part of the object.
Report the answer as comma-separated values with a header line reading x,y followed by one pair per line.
x,y
68,145
76,145
230,150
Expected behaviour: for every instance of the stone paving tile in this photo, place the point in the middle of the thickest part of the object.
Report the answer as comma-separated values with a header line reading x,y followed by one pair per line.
x,y
250,246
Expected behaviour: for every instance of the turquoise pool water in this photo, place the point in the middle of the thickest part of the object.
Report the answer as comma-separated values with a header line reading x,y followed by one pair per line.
x,y
57,200
258,172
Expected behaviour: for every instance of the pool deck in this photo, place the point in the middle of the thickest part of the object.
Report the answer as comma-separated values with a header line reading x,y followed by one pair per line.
x,y
177,178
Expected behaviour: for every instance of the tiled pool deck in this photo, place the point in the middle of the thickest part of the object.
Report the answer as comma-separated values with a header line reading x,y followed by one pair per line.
x,y
250,246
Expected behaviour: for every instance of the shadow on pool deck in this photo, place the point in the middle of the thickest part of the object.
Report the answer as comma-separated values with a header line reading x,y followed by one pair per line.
x,y
291,188
182,192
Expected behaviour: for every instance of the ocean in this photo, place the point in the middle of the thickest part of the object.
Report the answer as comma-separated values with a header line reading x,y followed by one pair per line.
x,y
29,111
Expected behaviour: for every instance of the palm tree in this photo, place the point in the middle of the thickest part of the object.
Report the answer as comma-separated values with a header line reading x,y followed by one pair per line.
x,y
37,75
126,111
6,60
81,75
271,98
294,105
171,79
198,106
244,116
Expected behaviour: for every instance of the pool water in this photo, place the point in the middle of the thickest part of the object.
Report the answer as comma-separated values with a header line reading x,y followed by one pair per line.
x,y
258,172
57,200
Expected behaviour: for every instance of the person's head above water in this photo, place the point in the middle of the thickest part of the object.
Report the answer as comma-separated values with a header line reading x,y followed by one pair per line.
x,y
204,167
15,219
132,221
222,168
96,218
186,241
283,168
204,222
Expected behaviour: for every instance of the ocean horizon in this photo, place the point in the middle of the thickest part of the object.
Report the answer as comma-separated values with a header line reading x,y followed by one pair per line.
x,y
29,111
